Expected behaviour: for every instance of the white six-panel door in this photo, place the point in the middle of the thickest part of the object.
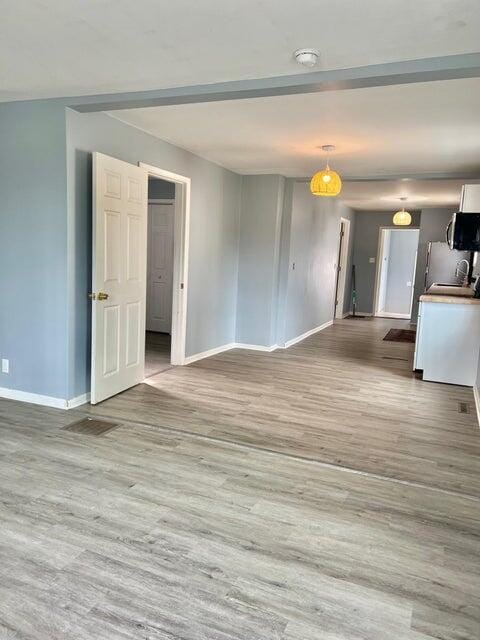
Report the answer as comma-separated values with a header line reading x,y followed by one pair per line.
x,y
161,218
118,276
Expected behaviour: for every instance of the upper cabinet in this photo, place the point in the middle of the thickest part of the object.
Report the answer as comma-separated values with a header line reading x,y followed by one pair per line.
x,y
470,198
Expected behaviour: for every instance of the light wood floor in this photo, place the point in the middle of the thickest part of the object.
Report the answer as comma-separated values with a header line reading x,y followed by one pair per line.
x,y
343,396
157,353
158,533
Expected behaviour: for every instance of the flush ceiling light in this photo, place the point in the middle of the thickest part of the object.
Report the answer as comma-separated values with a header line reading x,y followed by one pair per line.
x,y
326,182
402,218
306,57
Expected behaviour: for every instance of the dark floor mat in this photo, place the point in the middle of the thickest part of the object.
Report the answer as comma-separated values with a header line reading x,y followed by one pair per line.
x,y
401,335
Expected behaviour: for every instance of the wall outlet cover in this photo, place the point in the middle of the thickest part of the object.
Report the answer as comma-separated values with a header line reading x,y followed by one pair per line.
x,y
371,260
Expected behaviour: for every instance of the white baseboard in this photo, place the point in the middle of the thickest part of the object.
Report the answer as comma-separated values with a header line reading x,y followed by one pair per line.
x,y
45,401
32,398
208,353
78,401
384,314
256,347
476,395
293,341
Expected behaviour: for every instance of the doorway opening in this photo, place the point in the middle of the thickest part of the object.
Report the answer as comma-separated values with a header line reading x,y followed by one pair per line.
x,y
159,301
166,281
342,266
395,279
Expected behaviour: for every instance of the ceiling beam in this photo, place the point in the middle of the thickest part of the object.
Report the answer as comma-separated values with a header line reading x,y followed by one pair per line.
x,y
377,75
473,176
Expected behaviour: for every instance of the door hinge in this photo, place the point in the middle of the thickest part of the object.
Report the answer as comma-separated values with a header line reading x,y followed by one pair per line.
x,y
181,285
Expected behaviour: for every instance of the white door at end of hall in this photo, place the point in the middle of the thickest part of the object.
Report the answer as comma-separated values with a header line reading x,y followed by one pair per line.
x,y
161,218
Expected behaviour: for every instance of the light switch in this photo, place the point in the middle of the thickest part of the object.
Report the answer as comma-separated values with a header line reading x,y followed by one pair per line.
x,y
5,365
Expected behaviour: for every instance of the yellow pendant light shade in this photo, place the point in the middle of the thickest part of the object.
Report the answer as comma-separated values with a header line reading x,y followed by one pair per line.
x,y
326,182
402,218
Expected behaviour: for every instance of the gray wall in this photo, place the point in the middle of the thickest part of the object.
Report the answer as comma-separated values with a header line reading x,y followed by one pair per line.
x,y
432,229
33,257
160,189
214,231
367,229
260,226
313,254
403,247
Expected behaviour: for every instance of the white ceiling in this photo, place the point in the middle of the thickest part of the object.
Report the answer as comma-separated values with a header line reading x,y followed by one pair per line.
x,y
428,128
385,195
54,48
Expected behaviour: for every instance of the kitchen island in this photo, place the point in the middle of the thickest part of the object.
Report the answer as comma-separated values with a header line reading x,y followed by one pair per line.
x,y
448,336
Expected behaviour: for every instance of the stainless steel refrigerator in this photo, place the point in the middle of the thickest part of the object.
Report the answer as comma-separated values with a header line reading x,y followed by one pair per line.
x,y
444,264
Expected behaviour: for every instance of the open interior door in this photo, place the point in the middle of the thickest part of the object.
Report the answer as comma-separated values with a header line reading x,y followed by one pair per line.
x,y
120,196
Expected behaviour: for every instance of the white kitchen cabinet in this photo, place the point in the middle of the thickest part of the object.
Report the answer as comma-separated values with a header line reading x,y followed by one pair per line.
x,y
470,198
448,341
418,356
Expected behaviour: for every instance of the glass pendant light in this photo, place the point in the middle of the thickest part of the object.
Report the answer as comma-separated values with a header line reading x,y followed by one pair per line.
x,y
326,182
402,218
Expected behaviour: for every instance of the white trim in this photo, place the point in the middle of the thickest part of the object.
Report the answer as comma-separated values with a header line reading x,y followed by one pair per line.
x,y
256,347
180,259
78,401
343,264
387,314
293,341
45,401
476,395
209,352
32,398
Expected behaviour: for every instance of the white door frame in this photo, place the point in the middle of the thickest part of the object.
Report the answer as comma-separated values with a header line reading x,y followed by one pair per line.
x,y
378,272
342,266
180,258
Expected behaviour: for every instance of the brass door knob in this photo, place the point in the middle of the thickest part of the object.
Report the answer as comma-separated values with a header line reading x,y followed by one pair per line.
x,y
102,296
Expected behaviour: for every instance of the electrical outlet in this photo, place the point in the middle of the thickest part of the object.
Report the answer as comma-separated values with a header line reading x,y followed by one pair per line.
x,y
5,365
371,260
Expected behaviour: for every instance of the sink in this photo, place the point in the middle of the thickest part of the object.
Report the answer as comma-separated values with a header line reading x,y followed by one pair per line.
x,y
450,290
446,284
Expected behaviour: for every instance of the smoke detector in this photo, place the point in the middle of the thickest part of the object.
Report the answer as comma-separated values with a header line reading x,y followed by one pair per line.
x,y
306,57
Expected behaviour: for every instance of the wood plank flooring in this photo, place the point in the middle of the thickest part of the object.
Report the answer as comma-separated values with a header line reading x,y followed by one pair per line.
x,y
343,396
154,533
157,352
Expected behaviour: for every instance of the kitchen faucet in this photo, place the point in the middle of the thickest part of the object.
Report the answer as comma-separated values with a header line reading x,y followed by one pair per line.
x,y
460,272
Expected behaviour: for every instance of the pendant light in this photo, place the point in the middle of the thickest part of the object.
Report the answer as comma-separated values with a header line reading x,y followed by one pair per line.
x,y
326,182
402,218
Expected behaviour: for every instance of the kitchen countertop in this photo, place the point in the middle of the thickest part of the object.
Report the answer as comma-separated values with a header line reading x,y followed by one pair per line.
x,y
432,297
449,295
